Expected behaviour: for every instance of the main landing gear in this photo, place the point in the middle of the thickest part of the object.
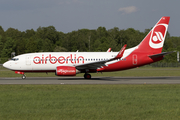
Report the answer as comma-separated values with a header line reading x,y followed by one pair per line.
x,y
87,76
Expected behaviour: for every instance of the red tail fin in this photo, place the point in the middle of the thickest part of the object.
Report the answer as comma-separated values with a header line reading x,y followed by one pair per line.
x,y
153,42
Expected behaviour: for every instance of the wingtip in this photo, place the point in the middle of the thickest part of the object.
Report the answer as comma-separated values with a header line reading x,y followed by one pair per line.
x,y
121,52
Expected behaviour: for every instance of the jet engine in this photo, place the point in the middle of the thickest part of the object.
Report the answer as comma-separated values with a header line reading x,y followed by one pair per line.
x,y
66,71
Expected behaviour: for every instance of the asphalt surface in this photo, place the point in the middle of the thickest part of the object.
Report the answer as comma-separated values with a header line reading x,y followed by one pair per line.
x,y
94,80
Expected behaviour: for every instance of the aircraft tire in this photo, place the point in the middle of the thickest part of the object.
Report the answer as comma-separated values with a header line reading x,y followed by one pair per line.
x,y
87,76
24,77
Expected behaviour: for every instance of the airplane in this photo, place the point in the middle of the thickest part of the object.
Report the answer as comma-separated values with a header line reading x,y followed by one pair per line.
x,y
71,63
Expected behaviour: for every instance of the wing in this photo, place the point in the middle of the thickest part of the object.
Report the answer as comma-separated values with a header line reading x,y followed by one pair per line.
x,y
92,65
98,64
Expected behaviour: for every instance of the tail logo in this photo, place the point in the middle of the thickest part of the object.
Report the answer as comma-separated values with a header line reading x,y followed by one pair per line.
x,y
157,36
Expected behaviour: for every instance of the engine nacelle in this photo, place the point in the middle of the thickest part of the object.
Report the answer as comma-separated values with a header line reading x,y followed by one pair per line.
x,y
66,71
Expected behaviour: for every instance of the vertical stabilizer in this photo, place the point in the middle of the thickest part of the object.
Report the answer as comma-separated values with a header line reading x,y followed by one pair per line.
x,y
154,41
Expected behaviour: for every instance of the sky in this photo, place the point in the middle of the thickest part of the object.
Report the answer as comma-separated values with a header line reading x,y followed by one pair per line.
x,y
72,15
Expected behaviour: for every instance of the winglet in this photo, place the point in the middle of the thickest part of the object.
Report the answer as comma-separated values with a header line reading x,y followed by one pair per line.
x,y
109,50
121,52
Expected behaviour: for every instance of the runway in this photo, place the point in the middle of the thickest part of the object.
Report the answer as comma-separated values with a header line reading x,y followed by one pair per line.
x,y
95,80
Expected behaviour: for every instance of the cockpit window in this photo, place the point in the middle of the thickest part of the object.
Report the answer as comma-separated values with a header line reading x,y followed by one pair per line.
x,y
15,59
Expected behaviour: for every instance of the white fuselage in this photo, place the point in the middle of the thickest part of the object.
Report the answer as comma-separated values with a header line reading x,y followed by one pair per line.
x,y
48,61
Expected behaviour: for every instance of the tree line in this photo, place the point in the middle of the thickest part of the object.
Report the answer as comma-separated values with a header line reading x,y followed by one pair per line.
x,y
48,39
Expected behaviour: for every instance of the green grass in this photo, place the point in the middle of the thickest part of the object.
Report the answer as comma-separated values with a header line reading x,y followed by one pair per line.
x,y
89,102
136,72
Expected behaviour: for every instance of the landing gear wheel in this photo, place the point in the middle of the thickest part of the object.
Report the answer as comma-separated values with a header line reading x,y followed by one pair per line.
x,y
24,77
87,76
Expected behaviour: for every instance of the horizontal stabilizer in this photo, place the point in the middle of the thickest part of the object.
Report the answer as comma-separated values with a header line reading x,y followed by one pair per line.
x,y
160,54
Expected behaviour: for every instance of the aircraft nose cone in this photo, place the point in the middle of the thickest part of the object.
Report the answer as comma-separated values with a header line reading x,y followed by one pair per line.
x,y
5,65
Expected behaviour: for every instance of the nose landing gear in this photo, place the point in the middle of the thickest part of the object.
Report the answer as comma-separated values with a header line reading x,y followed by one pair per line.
x,y
24,76
22,73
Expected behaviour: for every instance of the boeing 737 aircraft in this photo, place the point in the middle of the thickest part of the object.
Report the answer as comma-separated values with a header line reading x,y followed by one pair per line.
x,y
71,63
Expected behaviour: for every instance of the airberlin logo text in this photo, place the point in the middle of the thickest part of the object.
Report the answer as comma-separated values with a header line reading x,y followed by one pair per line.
x,y
65,71
61,59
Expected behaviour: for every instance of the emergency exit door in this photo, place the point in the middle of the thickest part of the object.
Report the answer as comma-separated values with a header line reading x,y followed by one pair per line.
x,y
134,59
